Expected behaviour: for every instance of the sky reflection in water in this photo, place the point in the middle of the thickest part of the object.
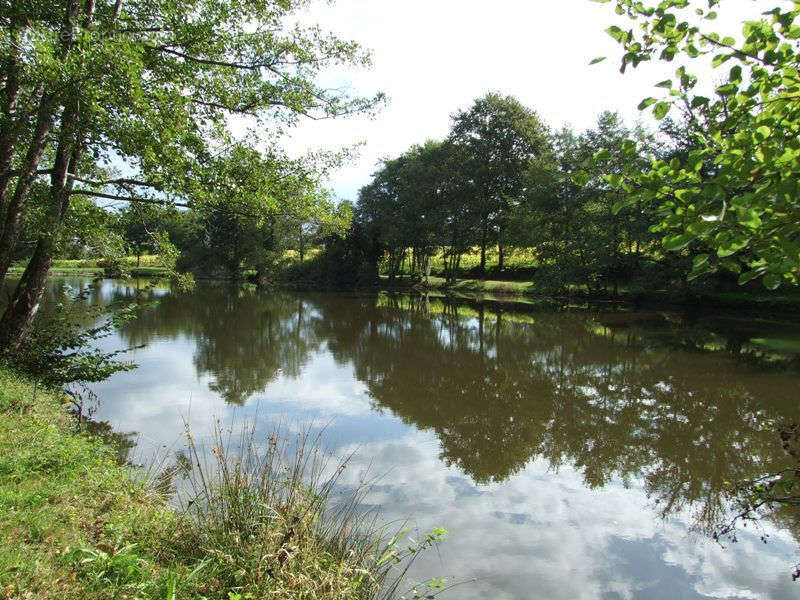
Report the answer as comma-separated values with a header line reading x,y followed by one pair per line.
x,y
547,443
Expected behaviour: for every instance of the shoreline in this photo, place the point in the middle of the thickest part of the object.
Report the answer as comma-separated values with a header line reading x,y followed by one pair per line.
x,y
79,524
501,290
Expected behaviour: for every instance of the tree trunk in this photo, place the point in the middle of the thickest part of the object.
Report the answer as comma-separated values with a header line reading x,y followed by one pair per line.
x,y
500,255
484,235
8,134
24,304
16,208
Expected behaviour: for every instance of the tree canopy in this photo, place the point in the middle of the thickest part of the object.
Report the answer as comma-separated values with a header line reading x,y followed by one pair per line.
x,y
133,100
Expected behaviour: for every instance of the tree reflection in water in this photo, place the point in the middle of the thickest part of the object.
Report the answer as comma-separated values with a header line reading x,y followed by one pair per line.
x,y
693,407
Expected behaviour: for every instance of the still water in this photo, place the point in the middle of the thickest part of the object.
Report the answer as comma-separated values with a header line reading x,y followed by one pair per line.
x,y
569,453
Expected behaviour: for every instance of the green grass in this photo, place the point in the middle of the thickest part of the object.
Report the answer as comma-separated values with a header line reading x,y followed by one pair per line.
x,y
63,499
76,524
479,285
149,266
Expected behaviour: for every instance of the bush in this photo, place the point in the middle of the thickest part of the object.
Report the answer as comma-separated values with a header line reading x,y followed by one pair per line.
x,y
59,349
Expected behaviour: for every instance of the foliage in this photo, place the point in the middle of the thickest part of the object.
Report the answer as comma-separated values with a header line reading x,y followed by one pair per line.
x,y
406,206
736,189
567,214
134,102
501,139
61,348
349,259
256,208
454,194
268,514
539,194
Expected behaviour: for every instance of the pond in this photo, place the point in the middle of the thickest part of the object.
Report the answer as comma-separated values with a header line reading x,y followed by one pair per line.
x,y
570,453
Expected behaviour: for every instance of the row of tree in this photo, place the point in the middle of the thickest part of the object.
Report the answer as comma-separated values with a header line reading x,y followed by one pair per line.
x,y
503,179
714,192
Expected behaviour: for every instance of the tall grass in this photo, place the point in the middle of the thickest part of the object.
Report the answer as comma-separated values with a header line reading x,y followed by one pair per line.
x,y
252,518
266,519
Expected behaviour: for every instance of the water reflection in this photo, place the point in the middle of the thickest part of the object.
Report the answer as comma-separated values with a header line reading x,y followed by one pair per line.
x,y
506,415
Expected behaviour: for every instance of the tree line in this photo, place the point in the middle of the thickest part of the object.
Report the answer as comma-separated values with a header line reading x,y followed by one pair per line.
x,y
503,180
131,101
712,193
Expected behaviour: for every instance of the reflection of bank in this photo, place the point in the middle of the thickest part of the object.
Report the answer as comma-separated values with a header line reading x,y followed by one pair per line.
x,y
243,339
626,396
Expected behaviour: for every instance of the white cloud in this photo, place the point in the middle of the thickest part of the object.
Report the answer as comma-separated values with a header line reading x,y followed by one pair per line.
x,y
545,535
434,57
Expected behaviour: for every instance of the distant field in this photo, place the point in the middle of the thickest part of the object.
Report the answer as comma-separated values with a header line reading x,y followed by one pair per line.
x,y
515,259
146,260
148,266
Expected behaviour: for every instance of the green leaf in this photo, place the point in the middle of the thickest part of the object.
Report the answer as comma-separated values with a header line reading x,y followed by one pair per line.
x,y
763,132
700,260
730,247
602,155
677,242
699,270
580,178
749,218
772,281
617,33
599,59
620,204
661,109
647,102
748,276
728,89
614,180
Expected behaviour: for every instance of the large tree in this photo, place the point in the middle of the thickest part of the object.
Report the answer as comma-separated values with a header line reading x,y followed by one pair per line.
x,y
407,205
501,138
149,85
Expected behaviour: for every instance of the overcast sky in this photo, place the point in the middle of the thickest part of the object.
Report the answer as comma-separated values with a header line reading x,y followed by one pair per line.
x,y
432,57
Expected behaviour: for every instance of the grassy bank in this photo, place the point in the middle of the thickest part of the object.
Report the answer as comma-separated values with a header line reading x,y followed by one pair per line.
x,y
76,524
145,266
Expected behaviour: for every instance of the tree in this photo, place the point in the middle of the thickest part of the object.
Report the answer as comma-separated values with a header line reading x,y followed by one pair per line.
x,y
501,138
255,207
396,207
736,190
138,224
567,211
148,84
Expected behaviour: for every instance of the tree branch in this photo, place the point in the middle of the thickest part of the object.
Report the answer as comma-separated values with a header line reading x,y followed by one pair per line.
x,y
93,194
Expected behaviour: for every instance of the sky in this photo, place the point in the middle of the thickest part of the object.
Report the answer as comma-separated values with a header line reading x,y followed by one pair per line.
x,y
433,57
